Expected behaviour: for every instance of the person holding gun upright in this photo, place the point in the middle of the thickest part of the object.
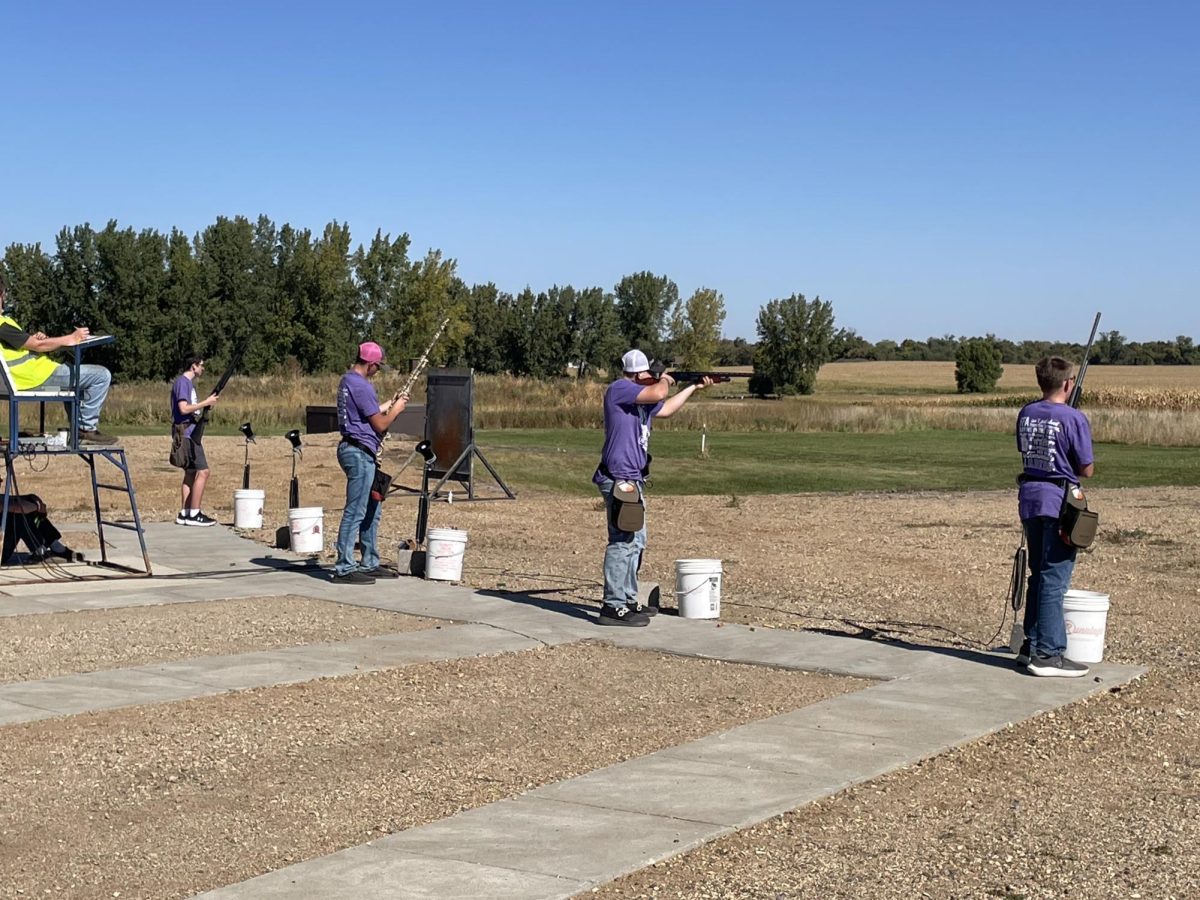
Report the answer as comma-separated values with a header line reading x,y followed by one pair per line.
x,y
25,354
631,403
184,407
1055,441
362,422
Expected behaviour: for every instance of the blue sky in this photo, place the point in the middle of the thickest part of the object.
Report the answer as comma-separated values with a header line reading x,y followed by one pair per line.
x,y
928,167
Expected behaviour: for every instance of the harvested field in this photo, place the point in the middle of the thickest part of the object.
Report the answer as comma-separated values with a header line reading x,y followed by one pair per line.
x,y
43,646
168,800
1100,800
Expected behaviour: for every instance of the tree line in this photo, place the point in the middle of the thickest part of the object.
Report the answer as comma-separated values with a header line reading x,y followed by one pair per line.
x,y
287,297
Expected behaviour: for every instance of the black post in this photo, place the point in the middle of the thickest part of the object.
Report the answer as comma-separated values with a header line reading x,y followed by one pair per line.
x,y
423,507
294,488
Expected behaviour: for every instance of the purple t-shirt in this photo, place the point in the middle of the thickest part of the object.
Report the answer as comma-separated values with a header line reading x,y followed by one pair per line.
x,y
183,389
1055,440
356,402
626,431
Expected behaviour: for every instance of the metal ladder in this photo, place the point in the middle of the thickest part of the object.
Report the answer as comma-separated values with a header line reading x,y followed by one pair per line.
x,y
116,456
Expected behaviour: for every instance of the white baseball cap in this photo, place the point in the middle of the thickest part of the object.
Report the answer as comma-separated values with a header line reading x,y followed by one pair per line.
x,y
635,361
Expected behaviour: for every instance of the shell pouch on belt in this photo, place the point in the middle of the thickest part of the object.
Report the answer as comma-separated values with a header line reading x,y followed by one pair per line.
x,y
628,511
381,485
179,456
1076,523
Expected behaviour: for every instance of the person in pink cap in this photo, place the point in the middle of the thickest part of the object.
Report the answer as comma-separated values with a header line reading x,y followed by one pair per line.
x,y
362,422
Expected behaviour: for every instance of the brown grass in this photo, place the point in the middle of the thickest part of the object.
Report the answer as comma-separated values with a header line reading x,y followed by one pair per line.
x,y
1127,404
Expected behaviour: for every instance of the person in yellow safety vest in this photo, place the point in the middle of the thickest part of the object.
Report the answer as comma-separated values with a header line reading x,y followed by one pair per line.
x,y
31,368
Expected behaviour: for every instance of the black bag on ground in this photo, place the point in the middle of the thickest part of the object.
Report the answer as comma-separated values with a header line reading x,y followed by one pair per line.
x,y
1076,523
179,456
628,511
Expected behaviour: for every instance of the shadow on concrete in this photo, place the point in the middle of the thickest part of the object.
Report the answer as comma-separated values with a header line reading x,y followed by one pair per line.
x,y
309,567
866,633
533,598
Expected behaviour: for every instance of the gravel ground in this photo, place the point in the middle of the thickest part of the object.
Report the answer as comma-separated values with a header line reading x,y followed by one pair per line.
x,y
42,646
167,800
1100,800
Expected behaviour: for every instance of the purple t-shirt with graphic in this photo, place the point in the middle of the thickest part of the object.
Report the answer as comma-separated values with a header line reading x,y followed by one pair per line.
x,y
356,402
1055,440
183,389
626,431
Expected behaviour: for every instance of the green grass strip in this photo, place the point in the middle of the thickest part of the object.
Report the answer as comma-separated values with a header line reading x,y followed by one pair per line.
x,y
762,463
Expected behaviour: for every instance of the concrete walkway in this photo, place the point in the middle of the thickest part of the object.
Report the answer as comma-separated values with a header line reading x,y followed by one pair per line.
x,y
563,838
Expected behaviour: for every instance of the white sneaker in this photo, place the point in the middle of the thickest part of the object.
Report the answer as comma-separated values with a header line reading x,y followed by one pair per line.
x,y
1055,667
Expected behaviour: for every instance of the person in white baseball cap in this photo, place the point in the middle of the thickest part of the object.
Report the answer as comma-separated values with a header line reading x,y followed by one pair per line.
x,y
631,403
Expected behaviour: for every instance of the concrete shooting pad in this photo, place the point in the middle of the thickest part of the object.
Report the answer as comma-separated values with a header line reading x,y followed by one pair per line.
x,y
564,838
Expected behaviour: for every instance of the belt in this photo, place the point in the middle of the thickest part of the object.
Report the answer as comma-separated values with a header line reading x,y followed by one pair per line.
x,y
358,445
1059,481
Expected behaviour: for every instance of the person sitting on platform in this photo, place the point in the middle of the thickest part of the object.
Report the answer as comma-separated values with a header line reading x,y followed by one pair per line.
x,y
25,354
28,522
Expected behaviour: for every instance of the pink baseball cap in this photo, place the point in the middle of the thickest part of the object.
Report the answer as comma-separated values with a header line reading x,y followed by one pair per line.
x,y
370,352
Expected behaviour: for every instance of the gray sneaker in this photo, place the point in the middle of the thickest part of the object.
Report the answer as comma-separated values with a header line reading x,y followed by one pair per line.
x,y
1055,667
1023,655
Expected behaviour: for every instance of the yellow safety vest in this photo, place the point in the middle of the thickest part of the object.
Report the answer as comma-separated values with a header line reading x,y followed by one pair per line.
x,y
29,369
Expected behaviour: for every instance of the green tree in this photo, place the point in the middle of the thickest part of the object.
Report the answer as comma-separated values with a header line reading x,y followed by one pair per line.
x,y
131,279
795,338
30,276
185,304
597,327
696,329
431,292
380,271
550,339
736,352
643,302
977,366
483,348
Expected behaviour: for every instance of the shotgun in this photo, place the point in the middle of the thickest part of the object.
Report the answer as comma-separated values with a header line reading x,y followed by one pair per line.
x,y
1077,391
234,363
683,378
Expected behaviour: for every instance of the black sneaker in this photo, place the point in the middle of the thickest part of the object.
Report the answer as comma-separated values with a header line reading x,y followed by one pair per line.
x,y
622,615
1023,654
356,577
382,571
649,611
199,520
96,438
1055,667
66,554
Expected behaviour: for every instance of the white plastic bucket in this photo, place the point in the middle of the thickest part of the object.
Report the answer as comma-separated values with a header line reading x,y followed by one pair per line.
x,y
248,508
698,588
444,554
1086,615
306,524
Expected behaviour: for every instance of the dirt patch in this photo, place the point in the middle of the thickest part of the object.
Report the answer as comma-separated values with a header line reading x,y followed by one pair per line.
x,y
1107,790
168,800
42,646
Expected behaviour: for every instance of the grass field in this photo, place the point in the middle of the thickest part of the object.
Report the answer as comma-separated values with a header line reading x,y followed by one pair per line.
x,y
765,463
1142,405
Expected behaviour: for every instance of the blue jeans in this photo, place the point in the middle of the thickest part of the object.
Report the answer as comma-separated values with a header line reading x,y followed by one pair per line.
x,y
93,388
360,516
622,556
1051,563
